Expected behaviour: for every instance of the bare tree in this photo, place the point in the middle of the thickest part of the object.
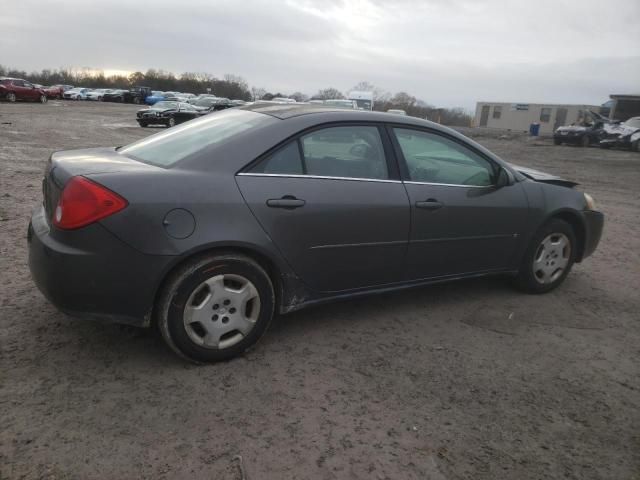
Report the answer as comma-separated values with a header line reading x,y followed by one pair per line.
x,y
257,93
328,94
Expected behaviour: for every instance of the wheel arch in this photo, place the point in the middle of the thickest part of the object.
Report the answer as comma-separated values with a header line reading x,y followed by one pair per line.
x,y
576,221
272,267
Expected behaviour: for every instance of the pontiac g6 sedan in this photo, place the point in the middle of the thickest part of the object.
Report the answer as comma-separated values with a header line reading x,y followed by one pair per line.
x,y
208,229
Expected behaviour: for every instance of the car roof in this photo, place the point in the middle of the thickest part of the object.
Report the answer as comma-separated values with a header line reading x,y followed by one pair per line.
x,y
284,111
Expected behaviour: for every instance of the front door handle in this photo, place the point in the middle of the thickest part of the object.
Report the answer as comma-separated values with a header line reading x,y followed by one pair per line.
x,y
289,202
430,204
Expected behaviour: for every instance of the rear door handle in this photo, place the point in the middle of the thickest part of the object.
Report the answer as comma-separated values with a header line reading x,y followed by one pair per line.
x,y
288,202
430,204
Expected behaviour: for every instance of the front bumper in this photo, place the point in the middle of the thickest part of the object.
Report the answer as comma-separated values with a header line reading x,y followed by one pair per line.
x,y
90,273
594,223
569,138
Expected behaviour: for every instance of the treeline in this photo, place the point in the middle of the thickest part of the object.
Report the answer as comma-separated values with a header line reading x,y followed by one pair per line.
x,y
235,87
230,86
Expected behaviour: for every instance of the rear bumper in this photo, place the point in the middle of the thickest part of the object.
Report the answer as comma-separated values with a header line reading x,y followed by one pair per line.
x,y
594,223
90,273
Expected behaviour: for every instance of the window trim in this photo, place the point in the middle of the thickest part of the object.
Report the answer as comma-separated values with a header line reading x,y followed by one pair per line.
x,y
402,162
389,152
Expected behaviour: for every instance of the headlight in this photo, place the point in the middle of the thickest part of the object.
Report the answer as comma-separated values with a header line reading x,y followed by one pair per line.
x,y
591,204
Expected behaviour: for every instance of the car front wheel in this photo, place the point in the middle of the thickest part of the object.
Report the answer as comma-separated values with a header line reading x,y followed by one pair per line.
x,y
584,141
549,258
171,122
215,307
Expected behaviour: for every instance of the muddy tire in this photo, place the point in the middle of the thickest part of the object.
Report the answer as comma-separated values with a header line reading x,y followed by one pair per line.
x,y
215,307
548,259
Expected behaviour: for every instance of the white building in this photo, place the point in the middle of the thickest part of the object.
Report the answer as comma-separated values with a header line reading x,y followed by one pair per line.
x,y
518,117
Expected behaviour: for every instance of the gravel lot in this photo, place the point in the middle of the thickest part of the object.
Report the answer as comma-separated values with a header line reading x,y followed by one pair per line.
x,y
470,380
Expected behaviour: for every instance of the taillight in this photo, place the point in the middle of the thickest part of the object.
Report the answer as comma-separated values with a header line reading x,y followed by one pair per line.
x,y
83,202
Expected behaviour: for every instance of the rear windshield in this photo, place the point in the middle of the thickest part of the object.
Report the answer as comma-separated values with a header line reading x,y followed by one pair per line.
x,y
169,147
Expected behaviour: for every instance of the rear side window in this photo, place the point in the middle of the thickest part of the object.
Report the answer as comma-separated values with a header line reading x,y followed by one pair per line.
x,y
431,158
347,152
169,147
284,161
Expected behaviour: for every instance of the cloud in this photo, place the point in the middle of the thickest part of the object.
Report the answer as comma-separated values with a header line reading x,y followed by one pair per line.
x,y
447,52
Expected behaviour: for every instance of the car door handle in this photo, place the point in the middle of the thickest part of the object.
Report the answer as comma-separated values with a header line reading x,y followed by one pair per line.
x,y
430,204
288,202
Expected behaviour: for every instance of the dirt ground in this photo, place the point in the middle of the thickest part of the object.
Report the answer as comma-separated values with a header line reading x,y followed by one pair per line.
x,y
470,380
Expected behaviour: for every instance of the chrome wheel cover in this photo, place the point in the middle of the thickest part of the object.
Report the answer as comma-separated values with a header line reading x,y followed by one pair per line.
x,y
551,258
221,311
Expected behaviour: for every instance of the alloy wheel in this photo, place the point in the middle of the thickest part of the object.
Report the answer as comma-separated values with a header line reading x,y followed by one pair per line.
x,y
221,311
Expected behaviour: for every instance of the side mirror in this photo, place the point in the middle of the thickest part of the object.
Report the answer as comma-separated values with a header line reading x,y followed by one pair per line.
x,y
504,179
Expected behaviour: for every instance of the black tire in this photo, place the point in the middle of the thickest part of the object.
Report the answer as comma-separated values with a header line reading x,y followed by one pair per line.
x,y
557,141
136,100
635,146
43,99
11,97
187,280
143,124
527,279
584,141
171,122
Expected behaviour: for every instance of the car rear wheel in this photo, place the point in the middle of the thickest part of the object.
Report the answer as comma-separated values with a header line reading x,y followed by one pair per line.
x,y
11,97
557,141
548,259
43,99
215,307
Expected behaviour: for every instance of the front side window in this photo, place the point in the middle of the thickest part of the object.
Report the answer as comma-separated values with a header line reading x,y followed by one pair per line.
x,y
431,158
545,114
349,152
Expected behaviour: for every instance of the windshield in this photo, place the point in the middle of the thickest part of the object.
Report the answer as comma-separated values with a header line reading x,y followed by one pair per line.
x,y
364,104
166,105
169,147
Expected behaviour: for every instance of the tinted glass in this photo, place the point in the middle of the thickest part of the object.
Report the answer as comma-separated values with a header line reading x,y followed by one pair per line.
x,y
350,151
169,147
284,161
434,159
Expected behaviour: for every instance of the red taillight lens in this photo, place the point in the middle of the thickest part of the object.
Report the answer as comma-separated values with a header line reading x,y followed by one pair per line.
x,y
83,202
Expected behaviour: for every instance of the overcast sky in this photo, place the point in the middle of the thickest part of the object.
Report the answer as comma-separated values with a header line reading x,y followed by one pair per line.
x,y
446,52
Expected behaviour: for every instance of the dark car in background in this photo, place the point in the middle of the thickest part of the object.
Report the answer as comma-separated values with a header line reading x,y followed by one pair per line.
x,y
12,89
208,229
135,95
622,134
588,131
211,103
167,113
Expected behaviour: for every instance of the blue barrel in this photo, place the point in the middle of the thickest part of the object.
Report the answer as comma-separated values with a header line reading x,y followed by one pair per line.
x,y
534,129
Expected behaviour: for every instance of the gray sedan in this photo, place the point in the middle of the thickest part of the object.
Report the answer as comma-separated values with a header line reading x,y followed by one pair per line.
x,y
210,228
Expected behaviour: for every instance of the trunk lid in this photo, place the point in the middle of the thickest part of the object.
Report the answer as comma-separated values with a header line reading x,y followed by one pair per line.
x,y
64,165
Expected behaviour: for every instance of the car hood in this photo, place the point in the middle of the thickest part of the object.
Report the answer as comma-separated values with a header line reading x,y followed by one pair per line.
x,y
571,128
158,110
620,129
543,177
